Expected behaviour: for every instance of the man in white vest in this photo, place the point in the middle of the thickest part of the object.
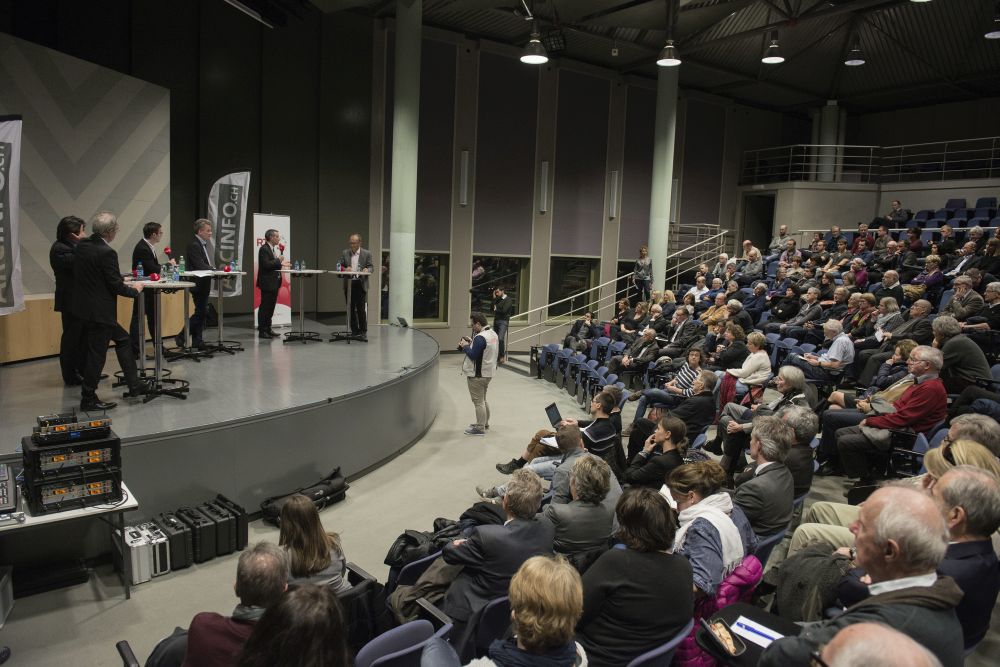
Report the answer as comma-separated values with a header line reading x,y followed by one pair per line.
x,y
478,367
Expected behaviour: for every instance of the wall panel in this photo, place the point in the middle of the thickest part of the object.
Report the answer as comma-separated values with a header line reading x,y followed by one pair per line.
x,y
701,182
636,186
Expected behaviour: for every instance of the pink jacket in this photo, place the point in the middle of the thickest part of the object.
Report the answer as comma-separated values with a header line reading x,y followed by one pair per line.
x,y
737,587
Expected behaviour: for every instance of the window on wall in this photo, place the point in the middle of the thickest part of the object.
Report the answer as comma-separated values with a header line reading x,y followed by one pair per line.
x,y
571,276
430,286
490,272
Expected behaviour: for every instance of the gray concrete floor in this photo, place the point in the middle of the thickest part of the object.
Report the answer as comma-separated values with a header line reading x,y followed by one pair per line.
x,y
436,477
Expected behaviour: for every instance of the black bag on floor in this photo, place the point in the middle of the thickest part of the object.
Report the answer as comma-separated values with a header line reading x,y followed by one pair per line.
x,y
328,491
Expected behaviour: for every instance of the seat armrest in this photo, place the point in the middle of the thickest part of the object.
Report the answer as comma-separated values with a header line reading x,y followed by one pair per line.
x,y
430,612
127,655
359,574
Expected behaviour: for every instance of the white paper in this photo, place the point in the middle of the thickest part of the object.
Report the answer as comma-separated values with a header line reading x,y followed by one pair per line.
x,y
550,441
204,273
879,335
761,635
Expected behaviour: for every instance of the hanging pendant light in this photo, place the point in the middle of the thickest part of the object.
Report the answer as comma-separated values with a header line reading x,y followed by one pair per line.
x,y
994,30
534,51
854,57
772,56
669,56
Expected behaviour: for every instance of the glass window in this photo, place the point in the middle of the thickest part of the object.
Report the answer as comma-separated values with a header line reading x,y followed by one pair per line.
x,y
569,276
430,286
490,272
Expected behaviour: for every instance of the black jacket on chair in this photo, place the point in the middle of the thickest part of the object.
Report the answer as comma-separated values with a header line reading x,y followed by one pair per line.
x,y
98,282
268,278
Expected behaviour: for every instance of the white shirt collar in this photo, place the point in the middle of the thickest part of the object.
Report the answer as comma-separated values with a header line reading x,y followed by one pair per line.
x,y
761,466
923,580
150,244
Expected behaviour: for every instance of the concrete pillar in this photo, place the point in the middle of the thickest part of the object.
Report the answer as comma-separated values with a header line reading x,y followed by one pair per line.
x,y
663,172
829,123
405,134
814,140
613,199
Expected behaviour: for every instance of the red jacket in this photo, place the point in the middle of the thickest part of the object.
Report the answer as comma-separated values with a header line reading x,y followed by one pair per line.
x,y
921,407
215,640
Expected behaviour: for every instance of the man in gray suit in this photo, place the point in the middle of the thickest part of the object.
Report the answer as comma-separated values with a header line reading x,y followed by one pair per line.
x,y
766,497
356,258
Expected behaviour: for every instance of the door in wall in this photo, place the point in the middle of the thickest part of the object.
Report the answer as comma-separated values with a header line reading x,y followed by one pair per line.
x,y
758,218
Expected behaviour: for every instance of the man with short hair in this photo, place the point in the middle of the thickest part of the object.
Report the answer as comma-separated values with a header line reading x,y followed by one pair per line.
x,y
922,406
200,257
719,270
638,356
855,646
805,425
820,256
916,326
810,311
777,244
965,303
862,235
72,348
766,495
698,410
785,258
900,539
890,287
964,260
358,260
270,261
478,366
571,444
831,362
898,215
97,284
680,334
144,254
882,239
503,308
964,361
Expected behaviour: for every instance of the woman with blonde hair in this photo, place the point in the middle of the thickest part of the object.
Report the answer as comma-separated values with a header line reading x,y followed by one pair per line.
x,y
941,459
315,556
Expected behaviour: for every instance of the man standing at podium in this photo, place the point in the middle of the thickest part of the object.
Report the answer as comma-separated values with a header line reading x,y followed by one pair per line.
x,y
357,259
199,258
144,254
269,263
97,284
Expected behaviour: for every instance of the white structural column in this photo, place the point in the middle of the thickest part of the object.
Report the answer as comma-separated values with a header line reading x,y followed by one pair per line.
x,y
405,134
829,134
663,172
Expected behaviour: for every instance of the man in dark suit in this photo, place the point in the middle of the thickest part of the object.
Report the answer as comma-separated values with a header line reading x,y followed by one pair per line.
x,y
766,497
144,254
680,335
356,258
890,287
269,263
97,284
200,257
492,554
916,326
61,258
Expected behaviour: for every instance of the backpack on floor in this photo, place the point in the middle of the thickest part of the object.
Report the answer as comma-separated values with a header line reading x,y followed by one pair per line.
x,y
327,491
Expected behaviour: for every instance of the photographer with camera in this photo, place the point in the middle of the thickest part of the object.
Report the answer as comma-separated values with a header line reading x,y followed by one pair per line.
x,y
503,308
478,367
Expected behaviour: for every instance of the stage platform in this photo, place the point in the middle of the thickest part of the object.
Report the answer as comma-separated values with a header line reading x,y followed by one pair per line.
x,y
267,420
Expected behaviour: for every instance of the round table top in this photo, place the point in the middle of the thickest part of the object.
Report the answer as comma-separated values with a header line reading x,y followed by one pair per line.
x,y
302,271
163,284
215,273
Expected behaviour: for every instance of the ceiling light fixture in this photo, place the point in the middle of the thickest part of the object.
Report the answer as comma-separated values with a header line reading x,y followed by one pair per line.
x,y
669,56
994,31
920,0
249,11
854,57
772,56
534,51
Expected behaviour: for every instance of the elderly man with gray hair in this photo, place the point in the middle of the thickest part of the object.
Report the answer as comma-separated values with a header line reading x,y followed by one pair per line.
x,y
97,285
804,424
965,303
964,361
900,539
832,362
922,406
767,493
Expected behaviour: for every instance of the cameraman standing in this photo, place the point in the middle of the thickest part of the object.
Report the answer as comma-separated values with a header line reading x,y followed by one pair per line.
x,y
478,367
503,308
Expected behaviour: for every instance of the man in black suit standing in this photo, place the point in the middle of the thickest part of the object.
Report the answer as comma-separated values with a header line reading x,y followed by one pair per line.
x,y
61,258
269,263
356,258
144,254
199,258
97,284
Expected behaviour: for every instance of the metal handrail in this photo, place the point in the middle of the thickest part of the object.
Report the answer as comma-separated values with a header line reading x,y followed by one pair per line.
x,y
677,272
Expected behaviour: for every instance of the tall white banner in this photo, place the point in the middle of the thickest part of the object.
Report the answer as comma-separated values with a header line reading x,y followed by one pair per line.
x,y
227,209
11,290
282,223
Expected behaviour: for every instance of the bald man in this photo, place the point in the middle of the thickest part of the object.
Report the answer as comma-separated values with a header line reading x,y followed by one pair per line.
x,y
875,645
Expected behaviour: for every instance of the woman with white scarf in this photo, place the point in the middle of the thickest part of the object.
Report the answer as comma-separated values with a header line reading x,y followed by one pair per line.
x,y
714,534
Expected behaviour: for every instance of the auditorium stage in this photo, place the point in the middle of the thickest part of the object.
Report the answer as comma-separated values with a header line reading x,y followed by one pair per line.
x,y
272,418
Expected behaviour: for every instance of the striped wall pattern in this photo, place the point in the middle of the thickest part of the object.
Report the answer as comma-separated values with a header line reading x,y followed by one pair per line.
x,y
93,139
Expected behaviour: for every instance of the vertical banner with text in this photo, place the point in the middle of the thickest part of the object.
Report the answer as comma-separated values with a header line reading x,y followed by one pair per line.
x,y
227,209
261,223
11,290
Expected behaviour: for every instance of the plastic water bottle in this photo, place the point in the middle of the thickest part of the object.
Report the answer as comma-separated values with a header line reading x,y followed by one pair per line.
x,y
302,265
236,265
339,267
295,266
139,272
176,275
180,265
232,265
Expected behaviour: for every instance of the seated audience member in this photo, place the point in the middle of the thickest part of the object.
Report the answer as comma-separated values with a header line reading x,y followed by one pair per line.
x,y
629,329
756,303
306,626
733,292
862,236
828,523
583,332
834,236
717,312
832,361
897,215
681,333
754,371
827,286
854,646
583,525
990,260
965,303
732,351
780,286
926,283
988,318
862,258
784,308
571,442
913,242
492,554
819,253
887,319
736,421
961,262
664,451
975,234
708,298
214,640
681,386
901,538
964,361
315,556
862,322
890,287
777,244
714,533
638,355
970,499
804,424
636,598
946,242
882,239
766,493
892,260
718,270
622,311
698,410
699,290
889,373
785,258
840,257
916,326
809,311
921,406
657,322
980,279
795,270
